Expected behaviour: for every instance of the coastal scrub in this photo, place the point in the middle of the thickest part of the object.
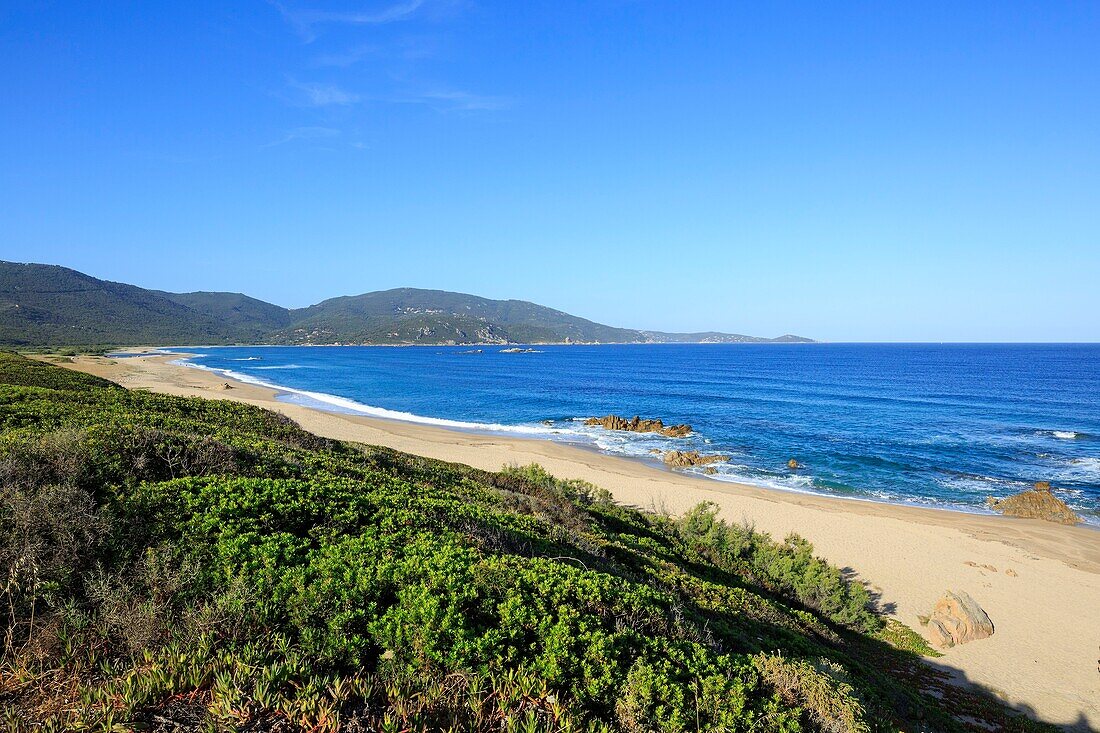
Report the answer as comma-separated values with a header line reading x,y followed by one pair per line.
x,y
207,565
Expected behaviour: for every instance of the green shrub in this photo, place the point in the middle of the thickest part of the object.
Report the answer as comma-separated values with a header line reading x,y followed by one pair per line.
x,y
820,687
788,567
210,564
20,371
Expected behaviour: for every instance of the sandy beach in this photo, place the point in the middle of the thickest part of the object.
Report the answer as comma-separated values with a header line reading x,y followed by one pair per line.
x,y
1039,582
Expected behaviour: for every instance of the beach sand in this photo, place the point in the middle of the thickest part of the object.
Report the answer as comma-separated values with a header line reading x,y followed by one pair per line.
x,y
1044,656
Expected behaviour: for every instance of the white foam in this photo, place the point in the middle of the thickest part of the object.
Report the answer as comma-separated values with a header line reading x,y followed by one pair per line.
x,y
1080,469
741,474
358,408
980,485
1064,434
343,404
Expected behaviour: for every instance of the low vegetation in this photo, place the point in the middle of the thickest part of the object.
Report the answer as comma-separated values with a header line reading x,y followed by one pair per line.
x,y
184,564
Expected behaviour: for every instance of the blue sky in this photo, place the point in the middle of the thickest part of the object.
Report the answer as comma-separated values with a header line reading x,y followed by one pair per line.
x,y
847,171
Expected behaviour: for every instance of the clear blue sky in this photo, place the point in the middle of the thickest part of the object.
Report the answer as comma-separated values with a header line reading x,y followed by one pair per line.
x,y
847,171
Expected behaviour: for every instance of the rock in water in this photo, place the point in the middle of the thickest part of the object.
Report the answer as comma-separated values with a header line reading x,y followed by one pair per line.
x,y
639,425
793,465
957,619
688,458
1037,503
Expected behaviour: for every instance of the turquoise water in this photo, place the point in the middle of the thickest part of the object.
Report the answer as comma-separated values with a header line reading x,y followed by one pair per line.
x,y
939,425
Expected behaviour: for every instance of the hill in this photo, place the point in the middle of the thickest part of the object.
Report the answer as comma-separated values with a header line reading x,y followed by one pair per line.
x,y
238,314
409,315
187,564
715,337
48,305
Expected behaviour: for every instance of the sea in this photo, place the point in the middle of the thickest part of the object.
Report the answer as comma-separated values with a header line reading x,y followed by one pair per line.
x,y
937,425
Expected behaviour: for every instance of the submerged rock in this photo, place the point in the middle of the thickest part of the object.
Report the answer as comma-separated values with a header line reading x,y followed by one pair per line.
x,y
639,425
1037,503
958,619
689,458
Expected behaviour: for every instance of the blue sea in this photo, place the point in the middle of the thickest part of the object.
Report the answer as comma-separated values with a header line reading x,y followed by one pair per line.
x,y
936,425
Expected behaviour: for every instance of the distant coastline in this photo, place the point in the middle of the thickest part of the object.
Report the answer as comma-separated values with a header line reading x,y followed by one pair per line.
x,y
146,348
54,306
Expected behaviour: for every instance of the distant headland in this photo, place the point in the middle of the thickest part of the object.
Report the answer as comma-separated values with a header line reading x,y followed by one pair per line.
x,y
54,306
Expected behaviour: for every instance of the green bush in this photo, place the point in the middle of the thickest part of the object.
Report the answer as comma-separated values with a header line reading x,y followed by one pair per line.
x,y
788,567
18,370
207,564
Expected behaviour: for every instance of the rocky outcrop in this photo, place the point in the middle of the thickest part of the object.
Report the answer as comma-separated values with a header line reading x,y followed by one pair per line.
x,y
957,619
793,464
1037,503
689,458
639,425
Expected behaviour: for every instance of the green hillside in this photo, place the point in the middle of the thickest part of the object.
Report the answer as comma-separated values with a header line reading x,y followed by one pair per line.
x,y
49,306
246,318
407,315
187,564
715,337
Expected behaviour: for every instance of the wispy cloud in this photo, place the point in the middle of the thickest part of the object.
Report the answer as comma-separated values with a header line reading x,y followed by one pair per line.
x,y
313,94
347,58
304,133
306,20
455,99
409,48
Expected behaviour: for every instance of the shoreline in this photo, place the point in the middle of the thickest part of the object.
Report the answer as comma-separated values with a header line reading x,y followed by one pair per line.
x,y
341,405
273,393
513,431
337,404
1043,656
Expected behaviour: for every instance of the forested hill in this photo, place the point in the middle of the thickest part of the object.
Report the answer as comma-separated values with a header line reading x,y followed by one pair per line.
x,y
49,305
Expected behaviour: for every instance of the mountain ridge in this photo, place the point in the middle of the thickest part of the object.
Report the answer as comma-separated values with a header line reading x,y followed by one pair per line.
x,y
52,305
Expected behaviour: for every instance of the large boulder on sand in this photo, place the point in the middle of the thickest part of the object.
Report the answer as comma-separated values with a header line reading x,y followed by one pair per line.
x,y
688,458
639,425
1037,503
957,619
